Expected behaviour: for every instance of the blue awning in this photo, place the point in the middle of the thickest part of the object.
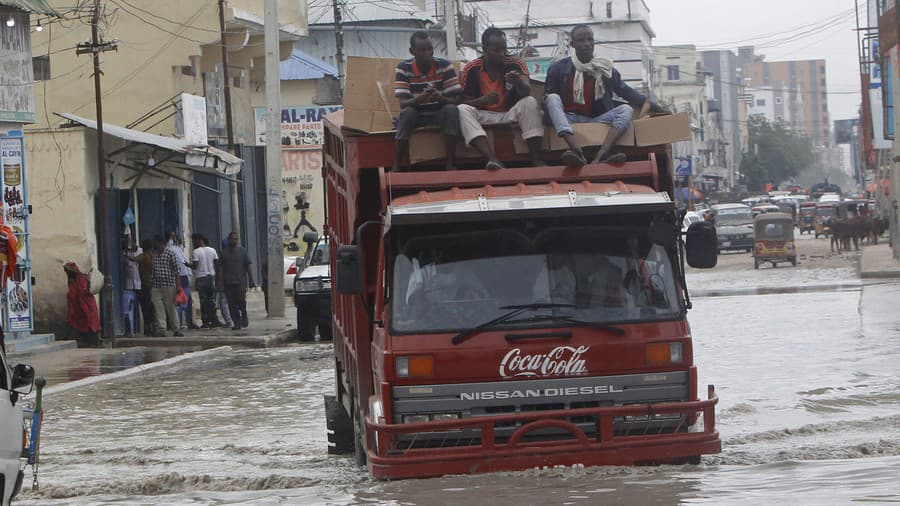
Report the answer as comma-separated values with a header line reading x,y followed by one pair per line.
x,y
303,66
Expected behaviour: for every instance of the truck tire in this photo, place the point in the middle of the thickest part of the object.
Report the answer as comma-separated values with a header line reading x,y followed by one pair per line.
x,y
359,440
756,263
324,330
305,328
340,428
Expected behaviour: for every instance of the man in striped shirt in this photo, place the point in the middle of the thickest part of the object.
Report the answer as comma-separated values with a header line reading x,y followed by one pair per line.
x,y
496,89
428,90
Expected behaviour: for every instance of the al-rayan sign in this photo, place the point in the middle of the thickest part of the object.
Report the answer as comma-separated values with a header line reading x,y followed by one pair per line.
x,y
301,126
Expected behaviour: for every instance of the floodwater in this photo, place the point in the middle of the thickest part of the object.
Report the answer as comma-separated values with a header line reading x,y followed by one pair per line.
x,y
809,414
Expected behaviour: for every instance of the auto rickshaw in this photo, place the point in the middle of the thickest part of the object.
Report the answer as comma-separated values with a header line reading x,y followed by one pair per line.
x,y
773,239
825,213
807,221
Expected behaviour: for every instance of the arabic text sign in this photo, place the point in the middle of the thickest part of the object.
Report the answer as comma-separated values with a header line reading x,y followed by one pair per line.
x,y
301,126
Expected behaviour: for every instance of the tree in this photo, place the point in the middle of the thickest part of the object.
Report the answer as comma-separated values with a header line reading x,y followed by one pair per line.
x,y
776,154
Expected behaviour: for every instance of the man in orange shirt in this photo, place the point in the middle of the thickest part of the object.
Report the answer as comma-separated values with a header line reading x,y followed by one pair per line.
x,y
496,90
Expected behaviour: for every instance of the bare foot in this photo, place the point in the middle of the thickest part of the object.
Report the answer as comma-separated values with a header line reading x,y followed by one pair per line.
x,y
614,159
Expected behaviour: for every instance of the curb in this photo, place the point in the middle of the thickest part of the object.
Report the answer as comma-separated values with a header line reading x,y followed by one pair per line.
x,y
761,290
136,370
265,341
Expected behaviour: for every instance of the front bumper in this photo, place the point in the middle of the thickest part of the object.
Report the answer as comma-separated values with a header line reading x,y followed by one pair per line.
x,y
726,243
392,457
314,305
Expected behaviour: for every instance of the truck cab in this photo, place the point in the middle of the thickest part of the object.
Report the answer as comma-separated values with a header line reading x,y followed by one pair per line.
x,y
513,318
15,382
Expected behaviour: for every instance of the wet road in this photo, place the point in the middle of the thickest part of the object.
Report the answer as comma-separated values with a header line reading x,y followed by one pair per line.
x,y
808,414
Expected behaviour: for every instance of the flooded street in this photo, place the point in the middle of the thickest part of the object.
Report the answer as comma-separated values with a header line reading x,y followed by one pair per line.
x,y
808,413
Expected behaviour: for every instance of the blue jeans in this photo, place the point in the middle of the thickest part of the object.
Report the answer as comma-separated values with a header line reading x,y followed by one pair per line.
x,y
619,117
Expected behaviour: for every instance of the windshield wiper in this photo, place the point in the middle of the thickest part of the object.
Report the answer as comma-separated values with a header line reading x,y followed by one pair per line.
x,y
619,331
516,310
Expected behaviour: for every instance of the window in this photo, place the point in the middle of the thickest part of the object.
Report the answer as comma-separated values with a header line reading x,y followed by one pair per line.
x,y
778,100
673,73
41,67
760,102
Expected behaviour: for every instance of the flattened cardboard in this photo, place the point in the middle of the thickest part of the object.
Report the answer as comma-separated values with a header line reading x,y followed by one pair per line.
x,y
369,103
662,129
588,135
428,144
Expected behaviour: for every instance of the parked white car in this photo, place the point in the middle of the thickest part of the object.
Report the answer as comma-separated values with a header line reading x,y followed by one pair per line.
x,y
290,270
16,382
690,218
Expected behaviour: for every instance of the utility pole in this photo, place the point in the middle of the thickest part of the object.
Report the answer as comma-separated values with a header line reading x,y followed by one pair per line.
x,y
274,234
339,42
96,47
450,27
229,125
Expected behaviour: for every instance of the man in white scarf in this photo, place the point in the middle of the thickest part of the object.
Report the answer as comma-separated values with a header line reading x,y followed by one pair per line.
x,y
580,88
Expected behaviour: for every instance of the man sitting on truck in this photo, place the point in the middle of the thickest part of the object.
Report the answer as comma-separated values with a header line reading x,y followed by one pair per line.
x,y
428,89
496,90
580,89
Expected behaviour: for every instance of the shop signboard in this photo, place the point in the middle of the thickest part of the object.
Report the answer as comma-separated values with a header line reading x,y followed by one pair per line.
x,y
301,126
17,301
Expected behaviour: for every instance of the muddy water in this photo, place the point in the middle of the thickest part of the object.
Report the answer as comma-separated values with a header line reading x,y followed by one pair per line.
x,y
808,414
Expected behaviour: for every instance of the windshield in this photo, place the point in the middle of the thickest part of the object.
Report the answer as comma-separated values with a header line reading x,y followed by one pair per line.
x,y
320,254
774,230
453,280
824,211
738,216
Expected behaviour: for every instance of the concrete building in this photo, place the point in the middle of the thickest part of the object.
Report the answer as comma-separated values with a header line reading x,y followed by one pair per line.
x,y
731,111
888,15
164,48
806,85
770,102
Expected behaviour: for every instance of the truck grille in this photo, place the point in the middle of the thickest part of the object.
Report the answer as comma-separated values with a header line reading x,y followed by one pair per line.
x,y
478,400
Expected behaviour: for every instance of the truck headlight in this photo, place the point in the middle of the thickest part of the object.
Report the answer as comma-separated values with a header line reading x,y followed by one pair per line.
x,y
663,353
309,285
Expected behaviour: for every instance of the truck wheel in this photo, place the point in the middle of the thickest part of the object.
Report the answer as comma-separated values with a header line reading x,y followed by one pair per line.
x,y
340,428
756,263
305,328
324,330
359,441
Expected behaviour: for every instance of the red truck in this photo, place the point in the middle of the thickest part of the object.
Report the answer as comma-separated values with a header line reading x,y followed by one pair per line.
x,y
513,318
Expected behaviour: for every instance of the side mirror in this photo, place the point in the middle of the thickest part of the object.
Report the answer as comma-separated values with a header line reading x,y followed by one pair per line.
x,y
349,270
663,234
310,237
702,245
22,379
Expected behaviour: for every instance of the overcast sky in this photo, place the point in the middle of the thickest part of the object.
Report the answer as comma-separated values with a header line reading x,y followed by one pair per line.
x,y
789,30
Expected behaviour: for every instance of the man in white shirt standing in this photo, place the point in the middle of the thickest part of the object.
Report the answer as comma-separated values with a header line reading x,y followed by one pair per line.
x,y
204,261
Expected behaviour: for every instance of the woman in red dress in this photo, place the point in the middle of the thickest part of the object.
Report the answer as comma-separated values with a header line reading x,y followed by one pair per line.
x,y
82,314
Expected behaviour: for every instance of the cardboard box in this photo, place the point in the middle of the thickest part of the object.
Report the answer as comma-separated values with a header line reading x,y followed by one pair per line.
x,y
369,102
428,144
662,129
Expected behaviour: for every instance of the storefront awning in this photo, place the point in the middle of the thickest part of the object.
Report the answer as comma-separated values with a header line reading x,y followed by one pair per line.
x,y
201,157
34,6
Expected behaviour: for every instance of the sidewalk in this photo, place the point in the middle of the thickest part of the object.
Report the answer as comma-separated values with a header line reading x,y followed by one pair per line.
x,y
263,332
63,362
877,261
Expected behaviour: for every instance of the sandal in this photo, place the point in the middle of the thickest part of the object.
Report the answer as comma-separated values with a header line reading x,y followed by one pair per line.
x,y
615,159
493,166
574,159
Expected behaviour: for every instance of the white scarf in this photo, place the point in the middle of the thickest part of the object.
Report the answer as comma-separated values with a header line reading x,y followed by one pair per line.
x,y
598,67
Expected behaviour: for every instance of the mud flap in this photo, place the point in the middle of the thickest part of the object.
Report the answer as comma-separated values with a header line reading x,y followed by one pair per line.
x,y
341,440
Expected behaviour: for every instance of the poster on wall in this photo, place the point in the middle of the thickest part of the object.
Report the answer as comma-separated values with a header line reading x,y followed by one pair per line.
x,y
302,198
15,215
301,126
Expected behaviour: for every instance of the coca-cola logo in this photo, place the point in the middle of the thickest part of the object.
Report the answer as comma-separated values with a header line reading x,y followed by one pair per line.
x,y
560,361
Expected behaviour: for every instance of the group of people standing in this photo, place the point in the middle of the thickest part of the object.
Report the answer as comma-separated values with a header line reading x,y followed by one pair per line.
x,y
220,277
495,88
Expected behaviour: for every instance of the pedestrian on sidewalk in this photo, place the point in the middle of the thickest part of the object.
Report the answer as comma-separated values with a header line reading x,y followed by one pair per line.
x,y
165,280
204,260
186,310
236,277
145,269
131,288
221,298
82,314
